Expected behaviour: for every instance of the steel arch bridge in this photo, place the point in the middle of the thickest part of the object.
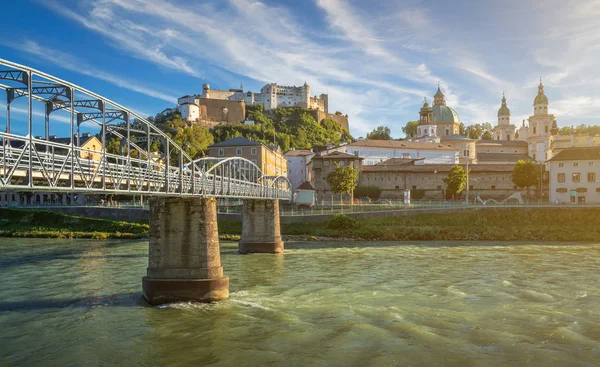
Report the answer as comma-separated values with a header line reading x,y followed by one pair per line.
x,y
30,162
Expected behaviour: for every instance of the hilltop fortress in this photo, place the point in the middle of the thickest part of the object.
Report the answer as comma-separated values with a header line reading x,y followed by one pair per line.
x,y
230,105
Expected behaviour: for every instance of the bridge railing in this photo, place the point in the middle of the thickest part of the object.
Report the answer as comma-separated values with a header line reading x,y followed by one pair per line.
x,y
29,162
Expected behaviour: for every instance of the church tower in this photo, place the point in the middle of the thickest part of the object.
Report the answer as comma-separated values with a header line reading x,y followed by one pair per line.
x,y
427,129
504,130
439,98
539,132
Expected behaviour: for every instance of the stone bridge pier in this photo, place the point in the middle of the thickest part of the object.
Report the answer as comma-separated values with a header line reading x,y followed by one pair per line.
x,y
261,231
184,262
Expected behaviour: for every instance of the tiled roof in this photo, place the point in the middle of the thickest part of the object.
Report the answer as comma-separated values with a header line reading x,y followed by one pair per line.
x,y
305,186
434,168
501,157
400,144
457,137
297,153
240,141
397,161
503,143
336,154
575,154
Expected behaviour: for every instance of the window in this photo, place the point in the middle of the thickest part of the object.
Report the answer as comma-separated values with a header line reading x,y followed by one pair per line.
x,y
447,132
575,164
470,187
590,164
546,129
439,187
534,156
414,187
238,151
562,189
493,187
397,187
534,130
560,165
253,151
581,189
326,163
254,161
561,177
591,177
221,153
576,177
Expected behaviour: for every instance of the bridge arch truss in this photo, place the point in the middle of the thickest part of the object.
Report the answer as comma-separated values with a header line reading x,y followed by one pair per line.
x,y
32,159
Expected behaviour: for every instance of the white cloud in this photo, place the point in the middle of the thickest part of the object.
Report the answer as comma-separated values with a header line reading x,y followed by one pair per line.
x,y
376,63
71,62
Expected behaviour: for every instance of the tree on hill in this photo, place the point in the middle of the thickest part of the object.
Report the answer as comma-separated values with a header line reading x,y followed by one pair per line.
x,y
455,181
342,180
291,127
410,129
525,174
194,140
582,129
380,133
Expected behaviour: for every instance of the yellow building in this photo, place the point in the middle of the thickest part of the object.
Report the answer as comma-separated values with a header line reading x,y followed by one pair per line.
x,y
86,141
270,160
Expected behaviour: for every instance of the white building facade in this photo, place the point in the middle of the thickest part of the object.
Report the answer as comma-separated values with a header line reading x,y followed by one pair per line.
x,y
375,151
297,166
574,176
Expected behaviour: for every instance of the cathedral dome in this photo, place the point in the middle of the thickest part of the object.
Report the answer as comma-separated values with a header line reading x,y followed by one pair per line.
x,y
504,110
443,114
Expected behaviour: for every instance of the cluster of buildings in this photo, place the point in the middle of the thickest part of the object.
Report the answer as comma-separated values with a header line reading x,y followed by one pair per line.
x,y
571,162
214,106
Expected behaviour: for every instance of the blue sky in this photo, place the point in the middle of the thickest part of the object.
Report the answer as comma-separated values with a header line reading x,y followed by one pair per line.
x,y
376,59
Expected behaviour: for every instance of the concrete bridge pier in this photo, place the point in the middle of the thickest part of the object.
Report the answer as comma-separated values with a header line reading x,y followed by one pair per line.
x,y
184,262
260,227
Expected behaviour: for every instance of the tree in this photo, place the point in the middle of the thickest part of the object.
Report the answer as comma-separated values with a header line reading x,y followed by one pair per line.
x,y
381,133
342,180
487,136
194,140
462,130
455,181
478,131
525,174
372,192
410,130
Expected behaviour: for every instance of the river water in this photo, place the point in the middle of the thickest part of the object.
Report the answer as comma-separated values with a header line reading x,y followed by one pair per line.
x,y
78,303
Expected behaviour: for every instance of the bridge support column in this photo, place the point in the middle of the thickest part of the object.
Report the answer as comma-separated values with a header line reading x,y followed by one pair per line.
x,y
184,262
260,227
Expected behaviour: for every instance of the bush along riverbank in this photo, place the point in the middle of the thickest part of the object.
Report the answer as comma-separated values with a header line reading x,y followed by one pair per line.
x,y
43,224
547,224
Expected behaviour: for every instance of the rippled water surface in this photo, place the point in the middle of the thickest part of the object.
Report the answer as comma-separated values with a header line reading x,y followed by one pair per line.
x,y
78,303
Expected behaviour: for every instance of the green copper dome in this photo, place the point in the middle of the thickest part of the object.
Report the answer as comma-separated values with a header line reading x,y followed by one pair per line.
x,y
540,99
439,92
504,110
445,114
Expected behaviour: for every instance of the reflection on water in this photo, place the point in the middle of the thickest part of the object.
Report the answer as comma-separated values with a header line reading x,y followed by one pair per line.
x,y
360,304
